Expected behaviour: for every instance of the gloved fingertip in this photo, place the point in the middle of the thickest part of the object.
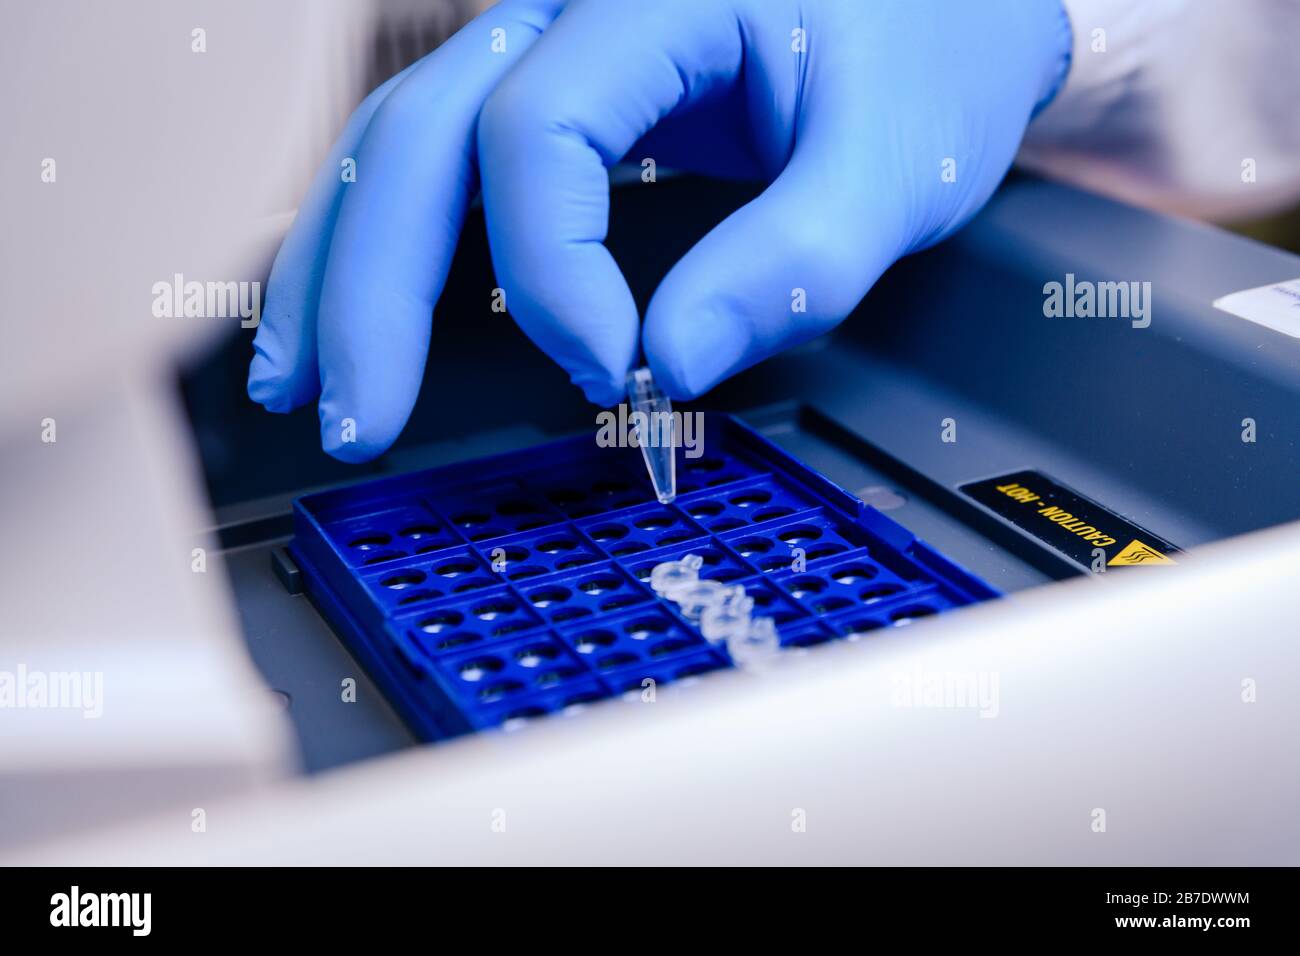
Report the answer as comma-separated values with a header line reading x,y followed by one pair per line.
x,y
689,356
266,386
673,378
345,438
600,387
354,451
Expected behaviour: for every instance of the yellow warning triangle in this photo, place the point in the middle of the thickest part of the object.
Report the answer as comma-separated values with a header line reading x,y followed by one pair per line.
x,y
1135,552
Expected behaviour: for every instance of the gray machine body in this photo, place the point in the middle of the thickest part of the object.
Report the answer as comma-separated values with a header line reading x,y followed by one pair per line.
x,y
1148,421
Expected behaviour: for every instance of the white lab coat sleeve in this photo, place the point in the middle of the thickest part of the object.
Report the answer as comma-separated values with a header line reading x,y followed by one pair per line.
x,y
1189,106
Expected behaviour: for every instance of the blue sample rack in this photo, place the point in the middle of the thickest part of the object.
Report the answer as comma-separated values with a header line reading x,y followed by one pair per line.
x,y
515,586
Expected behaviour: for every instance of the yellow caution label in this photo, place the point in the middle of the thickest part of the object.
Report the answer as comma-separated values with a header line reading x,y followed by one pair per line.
x,y
1087,533
1135,552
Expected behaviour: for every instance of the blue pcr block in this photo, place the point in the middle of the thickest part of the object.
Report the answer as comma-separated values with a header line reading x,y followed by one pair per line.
x,y
516,586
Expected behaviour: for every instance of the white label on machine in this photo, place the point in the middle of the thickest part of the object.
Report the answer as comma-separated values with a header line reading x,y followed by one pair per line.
x,y
1274,306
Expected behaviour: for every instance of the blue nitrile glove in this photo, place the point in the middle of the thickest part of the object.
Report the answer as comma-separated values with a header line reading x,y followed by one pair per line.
x,y
881,125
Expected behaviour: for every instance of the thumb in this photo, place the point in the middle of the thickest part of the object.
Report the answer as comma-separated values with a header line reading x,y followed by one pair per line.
x,y
784,268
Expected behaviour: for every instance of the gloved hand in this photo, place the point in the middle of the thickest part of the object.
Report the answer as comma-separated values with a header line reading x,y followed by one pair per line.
x,y
881,126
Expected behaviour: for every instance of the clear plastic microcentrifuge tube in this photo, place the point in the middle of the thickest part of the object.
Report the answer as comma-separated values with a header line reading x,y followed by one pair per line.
x,y
656,432
758,641
668,577
695,598
723,622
